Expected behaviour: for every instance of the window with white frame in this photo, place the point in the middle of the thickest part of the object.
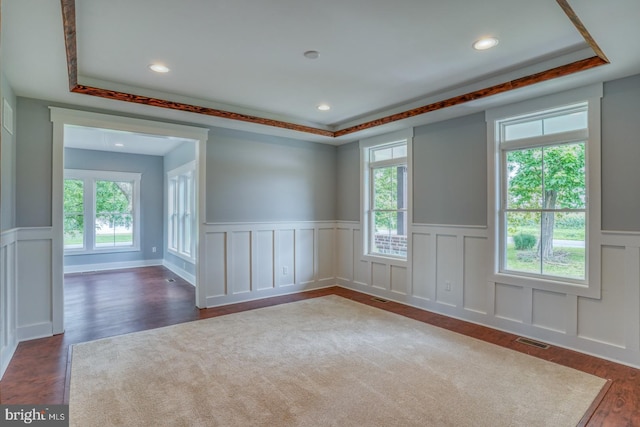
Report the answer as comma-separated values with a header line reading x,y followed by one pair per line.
x,y
385,201
180,211
543,185
101,211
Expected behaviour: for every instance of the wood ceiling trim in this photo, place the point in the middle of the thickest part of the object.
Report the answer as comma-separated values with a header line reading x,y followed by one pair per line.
x,y
69,24
577,22
552,73
157,102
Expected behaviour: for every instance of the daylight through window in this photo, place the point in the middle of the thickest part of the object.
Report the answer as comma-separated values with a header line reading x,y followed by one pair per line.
x,y
544,193
100,211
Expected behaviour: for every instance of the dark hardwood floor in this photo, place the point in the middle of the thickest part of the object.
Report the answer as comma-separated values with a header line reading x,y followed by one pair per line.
x,y
104,304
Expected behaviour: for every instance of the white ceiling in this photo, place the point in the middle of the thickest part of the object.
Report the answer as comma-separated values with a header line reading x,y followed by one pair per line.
x,y
88,138
376,57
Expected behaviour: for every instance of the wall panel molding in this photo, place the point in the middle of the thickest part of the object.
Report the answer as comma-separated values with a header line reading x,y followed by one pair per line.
x,y
8,302
607,327
253,260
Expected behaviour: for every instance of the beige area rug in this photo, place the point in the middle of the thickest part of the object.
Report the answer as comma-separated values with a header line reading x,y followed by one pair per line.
x,y
320,362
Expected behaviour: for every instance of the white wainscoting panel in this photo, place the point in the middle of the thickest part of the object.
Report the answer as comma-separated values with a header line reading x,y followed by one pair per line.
x,y
286,257
304,258
325,258
380,275
246,261
215,264
476,269
399,283
603,320
35,278
608,327
509,302
447,258
264,260
239,262
8,289
549,310
362,267
423,267
344,253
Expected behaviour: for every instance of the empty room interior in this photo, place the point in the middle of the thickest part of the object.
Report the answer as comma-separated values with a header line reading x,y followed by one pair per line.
x,y
320,213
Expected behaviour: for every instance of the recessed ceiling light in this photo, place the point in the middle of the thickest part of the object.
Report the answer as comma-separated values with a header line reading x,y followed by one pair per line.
x,y
119,144
159,68
485,43
324,107
312,54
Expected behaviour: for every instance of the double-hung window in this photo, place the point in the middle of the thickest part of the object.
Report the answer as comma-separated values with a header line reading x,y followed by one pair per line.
x,y
101,211
386,198
544,213
180,212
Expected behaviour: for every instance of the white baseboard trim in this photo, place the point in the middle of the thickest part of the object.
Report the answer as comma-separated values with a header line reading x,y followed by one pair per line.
x,y
35,331
6,355
266,293
184,274
84,268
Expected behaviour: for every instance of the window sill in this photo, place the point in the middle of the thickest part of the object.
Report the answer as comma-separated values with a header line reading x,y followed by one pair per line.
x,y
68,252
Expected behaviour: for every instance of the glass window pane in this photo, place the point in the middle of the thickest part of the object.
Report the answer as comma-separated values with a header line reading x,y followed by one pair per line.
x,y
564,176
399,151
114,214
73,214
382,154
73,231
385,188
390,233
524,179
565,123
564,251
523,130
114,230
523,237
114,196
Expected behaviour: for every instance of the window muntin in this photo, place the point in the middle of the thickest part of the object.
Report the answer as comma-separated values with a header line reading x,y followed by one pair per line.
x,y
544,204
101,211
181,208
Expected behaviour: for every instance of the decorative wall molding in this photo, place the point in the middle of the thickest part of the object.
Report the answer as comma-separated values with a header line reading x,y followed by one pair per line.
x,y
449,271
447,274
246,261
8,298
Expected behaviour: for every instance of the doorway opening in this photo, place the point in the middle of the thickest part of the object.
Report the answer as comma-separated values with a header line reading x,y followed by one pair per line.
x,y
127,193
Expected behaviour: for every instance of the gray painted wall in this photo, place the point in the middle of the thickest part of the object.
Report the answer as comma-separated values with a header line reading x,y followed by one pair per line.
x,y
450,172
621,155
250,177
348,182
181,155
7,168
33,164
151,200
253,177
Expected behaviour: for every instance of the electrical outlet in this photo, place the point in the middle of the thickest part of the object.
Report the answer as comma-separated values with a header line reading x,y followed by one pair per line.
x,y
447,286
153,249
285,270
